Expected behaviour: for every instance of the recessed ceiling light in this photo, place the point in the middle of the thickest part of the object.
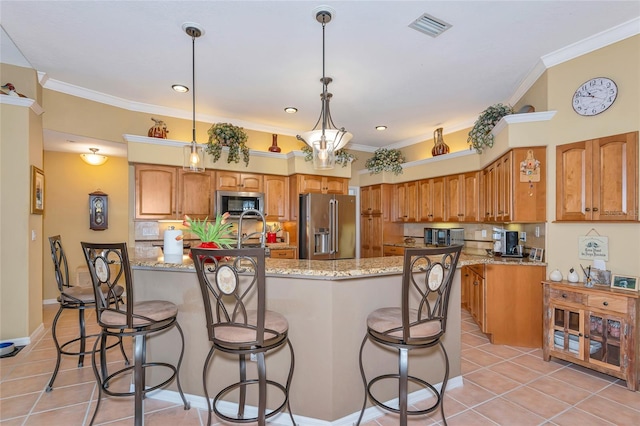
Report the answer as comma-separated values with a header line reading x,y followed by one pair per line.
x,y
381,128
291,110
180,88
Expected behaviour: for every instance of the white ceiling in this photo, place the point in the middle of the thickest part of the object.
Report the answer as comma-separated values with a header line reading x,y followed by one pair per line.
x,y
257,57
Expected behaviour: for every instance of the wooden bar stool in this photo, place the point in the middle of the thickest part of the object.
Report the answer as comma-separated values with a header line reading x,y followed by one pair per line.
x,y
109,266
420,322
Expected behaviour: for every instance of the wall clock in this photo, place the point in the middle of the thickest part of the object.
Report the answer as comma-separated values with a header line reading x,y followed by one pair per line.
x,y
98,211
594,96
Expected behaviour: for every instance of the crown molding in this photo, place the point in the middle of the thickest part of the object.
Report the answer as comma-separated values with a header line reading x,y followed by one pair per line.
x,y
22,102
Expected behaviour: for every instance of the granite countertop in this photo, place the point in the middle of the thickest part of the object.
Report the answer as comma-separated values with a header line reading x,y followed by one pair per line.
x,y
152,258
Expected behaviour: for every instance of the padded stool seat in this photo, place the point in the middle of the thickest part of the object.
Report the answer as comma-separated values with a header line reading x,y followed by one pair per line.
x,y
382,320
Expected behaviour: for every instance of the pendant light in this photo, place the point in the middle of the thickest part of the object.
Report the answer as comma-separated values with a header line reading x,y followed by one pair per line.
x,y
193,153
325,138
94,158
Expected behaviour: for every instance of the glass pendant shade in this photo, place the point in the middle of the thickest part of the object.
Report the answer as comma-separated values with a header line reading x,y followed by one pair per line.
x,y
193,157
325,138
94,159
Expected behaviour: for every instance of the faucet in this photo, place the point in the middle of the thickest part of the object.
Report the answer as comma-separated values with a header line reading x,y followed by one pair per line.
x,y
243,236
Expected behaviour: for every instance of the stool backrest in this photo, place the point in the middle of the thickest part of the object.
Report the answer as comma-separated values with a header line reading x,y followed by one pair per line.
x,y
232,282
427,278
61,268
109,268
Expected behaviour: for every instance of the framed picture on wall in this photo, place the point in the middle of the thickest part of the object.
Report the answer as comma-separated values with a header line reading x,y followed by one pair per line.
x,y
37,190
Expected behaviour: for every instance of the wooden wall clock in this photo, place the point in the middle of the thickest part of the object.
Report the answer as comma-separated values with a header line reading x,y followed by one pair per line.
x,y
594,96
98,211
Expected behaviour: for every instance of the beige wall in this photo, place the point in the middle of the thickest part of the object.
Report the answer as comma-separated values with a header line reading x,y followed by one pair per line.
x,y
621,62
69,183
20,256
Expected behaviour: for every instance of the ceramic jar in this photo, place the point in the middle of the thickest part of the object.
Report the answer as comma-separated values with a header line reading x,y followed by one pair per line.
x,y
556,275
573,276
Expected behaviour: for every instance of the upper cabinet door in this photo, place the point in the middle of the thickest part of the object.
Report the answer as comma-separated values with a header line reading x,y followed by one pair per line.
x,y
276,197
241,182
615,177
195,191
597,180
155,192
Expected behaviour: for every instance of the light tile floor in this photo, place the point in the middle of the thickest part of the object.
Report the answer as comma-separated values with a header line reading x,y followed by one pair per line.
x,y
502,386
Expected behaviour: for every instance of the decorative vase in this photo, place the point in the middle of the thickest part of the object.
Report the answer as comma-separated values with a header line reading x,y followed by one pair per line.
x,y
439,147
573,276
158,130
555,275
274,144
207,245
271,237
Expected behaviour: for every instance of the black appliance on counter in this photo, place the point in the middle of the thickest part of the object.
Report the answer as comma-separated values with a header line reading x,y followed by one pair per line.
x,y
443,236
511,244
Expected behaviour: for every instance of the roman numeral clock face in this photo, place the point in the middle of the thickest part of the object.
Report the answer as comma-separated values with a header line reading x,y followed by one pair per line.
x,y
594,96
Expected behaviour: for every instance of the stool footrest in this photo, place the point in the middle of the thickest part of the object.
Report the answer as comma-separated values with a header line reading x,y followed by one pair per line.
x,y
236,385
413,379
105,382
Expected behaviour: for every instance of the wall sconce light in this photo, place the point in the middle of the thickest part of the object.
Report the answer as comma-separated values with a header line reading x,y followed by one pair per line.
x,y
94,159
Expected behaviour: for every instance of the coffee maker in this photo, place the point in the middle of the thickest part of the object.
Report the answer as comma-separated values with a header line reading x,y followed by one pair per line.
x,y
511,244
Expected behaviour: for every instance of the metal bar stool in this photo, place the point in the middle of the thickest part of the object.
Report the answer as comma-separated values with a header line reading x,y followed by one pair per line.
x,y
419,323
232,282
109,266
76,298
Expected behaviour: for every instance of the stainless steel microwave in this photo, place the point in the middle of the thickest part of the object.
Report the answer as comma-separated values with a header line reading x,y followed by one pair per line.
x,y
443,236
237,202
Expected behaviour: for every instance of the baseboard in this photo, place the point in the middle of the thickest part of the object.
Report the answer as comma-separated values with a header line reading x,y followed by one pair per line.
x,y
50,302
282,419
24,341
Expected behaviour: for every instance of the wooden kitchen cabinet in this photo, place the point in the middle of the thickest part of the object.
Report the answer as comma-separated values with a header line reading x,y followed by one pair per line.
x,y
392,251
306,184
506,302
405,202
371,199
376,227
283,253
321,184
276,198
462,201
165,192
241,182
593,327
431,195
511,196
597,180
474,282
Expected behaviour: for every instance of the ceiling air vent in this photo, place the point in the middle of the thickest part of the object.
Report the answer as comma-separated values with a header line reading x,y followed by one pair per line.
x,y
429,25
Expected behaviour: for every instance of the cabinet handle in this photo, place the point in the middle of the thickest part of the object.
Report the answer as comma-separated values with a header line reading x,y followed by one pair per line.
x,y
587,209
595,209
476,282
605,303
564,296
579,334
586,336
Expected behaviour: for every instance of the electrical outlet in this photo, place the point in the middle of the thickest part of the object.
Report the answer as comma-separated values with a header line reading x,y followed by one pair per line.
x,y
537,234
484,233
523,236
253,357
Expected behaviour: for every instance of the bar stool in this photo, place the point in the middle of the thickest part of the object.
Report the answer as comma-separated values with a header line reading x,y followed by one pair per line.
x,y
73,297
419,323
232,282
109,266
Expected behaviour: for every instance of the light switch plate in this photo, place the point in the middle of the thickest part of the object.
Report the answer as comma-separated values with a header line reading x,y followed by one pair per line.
x,y
523,236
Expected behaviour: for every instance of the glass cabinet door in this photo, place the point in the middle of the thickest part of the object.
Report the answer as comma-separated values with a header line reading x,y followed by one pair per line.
x,y
605,337
568,331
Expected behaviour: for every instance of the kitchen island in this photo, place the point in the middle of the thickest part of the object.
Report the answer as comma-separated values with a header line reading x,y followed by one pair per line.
x,y
326,304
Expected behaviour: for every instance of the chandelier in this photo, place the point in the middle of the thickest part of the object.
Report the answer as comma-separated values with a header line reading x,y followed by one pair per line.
x,y
325,138
193,153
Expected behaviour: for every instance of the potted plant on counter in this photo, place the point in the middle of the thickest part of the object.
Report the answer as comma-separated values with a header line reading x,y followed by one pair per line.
x,y
480,135
233,137
216,234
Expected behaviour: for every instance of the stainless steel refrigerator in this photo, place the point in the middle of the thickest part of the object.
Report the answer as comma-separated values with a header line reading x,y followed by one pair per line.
x,y
327,227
